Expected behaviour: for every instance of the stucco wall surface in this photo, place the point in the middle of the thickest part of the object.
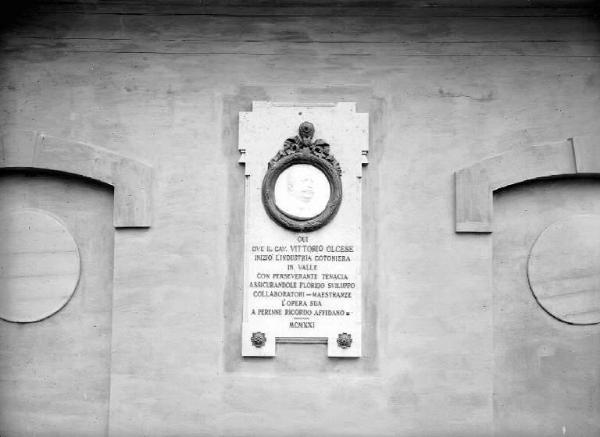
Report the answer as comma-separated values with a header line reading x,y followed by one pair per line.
x,y
443,90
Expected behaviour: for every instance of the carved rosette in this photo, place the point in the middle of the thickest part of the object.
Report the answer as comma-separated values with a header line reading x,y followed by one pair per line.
x,y
302,149
344,340
258,339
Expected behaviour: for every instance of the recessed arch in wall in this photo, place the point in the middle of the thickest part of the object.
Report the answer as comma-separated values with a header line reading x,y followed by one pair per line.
x,y
32,292
131,179
475,184
564,286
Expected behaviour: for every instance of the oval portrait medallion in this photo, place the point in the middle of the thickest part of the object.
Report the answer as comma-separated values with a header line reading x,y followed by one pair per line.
x,y
302,189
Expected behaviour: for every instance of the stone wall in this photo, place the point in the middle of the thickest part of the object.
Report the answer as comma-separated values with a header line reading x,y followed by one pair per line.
x,y
444,87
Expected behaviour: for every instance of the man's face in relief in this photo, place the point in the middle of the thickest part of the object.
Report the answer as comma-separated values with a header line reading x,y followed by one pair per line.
x,y
302,190
301,184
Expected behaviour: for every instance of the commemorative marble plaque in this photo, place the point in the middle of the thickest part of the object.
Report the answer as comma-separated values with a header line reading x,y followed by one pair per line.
x,y
302,257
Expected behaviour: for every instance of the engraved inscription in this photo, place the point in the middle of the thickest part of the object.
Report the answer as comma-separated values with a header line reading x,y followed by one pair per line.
x,y
302,284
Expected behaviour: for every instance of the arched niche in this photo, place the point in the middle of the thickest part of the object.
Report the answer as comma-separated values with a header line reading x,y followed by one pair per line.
x,y
131,179
476,184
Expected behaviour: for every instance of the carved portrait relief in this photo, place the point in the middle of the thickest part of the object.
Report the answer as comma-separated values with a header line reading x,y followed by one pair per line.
x,y
302,189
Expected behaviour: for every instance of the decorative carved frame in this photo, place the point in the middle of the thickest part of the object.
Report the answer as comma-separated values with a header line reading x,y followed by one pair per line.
x,y
476,184
302,150
131,179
